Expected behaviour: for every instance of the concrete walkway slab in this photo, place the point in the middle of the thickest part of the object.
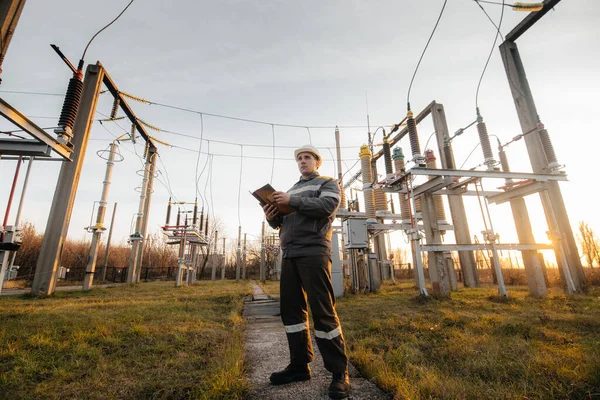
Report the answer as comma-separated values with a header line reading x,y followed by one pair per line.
x,y
267,351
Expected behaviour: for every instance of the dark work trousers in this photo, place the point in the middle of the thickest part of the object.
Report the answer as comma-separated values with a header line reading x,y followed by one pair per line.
x,y
303,277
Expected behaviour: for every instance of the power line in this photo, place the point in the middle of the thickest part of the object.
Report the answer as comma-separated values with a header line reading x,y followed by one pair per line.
x,y
198,159
503,49
243,144
423,53
489,56
254,121
97,33
189,110
245,156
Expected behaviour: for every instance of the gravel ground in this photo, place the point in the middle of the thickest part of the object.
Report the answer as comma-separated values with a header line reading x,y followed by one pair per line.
x,y
267,351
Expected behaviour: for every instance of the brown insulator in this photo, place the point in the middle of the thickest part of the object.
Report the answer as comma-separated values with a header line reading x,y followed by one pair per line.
x,y
195,217
178,217
365,161
206,227
379,194
343,204
546,144
503,159
418,204
168,212
201,219
70,107
115,108
380,199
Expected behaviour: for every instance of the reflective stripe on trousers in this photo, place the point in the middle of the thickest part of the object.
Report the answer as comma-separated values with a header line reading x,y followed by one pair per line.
x,y
307,281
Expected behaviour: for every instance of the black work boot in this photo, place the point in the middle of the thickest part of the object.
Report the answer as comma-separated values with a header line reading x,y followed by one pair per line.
x,y
291,373
340,386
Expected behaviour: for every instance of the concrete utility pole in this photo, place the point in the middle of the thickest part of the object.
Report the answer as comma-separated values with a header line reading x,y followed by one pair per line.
x,y
553,204
10,11
215,259
181,260
238,264
59,218
112,224
152,155
456,203
438,274
142,217
223,261
99,227
244,259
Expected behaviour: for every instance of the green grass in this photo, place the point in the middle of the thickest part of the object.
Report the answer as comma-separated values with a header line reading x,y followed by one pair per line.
x,y
475,346
149,341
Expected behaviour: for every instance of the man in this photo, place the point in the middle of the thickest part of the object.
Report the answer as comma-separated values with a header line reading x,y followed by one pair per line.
x,y
305,238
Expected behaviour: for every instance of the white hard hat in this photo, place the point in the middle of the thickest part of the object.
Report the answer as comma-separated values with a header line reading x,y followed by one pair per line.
x,y
309,148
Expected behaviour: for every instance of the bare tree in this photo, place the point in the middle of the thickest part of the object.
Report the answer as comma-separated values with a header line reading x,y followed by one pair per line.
x,y
590,247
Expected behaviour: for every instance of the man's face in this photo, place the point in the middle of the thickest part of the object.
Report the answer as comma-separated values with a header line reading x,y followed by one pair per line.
x,y
307,163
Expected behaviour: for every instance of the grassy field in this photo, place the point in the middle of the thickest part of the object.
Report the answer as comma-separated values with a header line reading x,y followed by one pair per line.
x,y
474,346
150,341
153,341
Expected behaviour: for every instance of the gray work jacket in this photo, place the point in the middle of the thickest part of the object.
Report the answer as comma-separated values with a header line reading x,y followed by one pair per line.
x,y
308,231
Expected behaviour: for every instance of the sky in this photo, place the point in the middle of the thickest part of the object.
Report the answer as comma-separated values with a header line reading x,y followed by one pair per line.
x,y
314,64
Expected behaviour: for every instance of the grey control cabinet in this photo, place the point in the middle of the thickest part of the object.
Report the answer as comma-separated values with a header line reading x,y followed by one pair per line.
x,y
355,233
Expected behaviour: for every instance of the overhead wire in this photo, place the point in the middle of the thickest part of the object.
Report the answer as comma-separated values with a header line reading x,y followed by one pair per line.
x,y
254,121
489,56
188,110
106,26
424,50
470,154
502,49
198,159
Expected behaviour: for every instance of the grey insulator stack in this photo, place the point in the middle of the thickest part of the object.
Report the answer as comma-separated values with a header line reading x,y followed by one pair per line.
x,y
484,139
438,202
367,177
387,156
399,164
504,162
413,137
548,148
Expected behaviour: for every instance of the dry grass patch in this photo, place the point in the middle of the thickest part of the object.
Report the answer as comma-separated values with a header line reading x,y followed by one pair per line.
x,y
150,341
474,346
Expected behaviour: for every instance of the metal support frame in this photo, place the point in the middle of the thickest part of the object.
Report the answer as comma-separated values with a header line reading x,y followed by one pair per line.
x,y
42,144
10,12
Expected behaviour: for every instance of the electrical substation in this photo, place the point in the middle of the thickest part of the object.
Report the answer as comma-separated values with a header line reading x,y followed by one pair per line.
x,y
364,259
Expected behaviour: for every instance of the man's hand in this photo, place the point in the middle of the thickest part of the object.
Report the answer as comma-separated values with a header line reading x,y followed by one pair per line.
x,y
281,198
270,211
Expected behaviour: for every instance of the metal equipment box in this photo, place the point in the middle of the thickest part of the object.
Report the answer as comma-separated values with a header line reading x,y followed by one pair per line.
x,y
355,233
